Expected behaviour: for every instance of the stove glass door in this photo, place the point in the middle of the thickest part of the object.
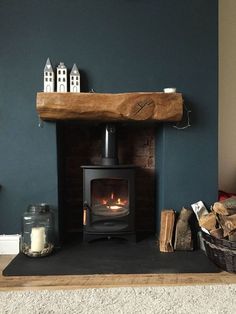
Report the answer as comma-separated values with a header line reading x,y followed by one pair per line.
x,y
110,197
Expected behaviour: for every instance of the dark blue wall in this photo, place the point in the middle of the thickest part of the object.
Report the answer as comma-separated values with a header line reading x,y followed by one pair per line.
x,y
119,46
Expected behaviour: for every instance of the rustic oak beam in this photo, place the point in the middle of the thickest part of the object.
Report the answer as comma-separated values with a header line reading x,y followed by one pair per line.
x,y
140,106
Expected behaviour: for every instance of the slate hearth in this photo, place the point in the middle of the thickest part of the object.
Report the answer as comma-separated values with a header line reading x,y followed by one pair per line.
x,y
115,256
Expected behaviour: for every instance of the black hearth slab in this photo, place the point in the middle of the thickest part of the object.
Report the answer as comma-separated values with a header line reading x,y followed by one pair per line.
x,y
113,256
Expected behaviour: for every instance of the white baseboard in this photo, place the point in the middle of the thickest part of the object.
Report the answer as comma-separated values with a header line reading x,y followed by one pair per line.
x,y
9,244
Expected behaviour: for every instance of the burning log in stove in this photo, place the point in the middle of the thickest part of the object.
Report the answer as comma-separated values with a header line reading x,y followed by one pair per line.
x,y
111,206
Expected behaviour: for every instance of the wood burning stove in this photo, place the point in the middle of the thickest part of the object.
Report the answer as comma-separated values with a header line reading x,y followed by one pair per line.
x,y
109,194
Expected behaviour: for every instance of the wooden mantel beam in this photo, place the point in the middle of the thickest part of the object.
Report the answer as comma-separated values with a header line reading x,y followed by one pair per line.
x,y
141,106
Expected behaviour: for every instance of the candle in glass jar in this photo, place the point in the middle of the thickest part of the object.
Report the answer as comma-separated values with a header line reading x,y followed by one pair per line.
x,y
37,239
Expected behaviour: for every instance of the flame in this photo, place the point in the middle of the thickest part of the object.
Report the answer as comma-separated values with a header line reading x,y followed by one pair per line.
x,y
113,203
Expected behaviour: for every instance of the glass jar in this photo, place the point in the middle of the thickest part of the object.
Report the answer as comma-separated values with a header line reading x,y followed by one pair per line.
x,y
37,231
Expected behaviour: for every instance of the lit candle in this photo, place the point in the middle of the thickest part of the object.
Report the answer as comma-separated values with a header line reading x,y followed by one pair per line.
x,y
37,239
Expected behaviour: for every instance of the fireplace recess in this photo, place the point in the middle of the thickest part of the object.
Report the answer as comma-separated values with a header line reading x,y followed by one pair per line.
x,y
101,107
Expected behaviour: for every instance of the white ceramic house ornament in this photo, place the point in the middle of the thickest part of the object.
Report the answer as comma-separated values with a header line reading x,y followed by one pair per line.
x,y
61,78
75,80
49,78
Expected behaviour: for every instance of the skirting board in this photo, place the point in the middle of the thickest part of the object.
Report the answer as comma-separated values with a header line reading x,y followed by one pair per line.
x,y
9,244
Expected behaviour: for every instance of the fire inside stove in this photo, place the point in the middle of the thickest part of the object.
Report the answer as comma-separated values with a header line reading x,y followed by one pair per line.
x,y
110,197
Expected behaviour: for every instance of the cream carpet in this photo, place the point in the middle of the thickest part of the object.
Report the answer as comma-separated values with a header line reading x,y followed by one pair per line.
x,y
175,299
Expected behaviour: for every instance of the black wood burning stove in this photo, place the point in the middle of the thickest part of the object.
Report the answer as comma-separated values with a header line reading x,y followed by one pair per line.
x,y
109,195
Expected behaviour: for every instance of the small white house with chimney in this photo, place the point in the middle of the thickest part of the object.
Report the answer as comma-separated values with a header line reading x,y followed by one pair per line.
x,y
61,78
74,80
49,77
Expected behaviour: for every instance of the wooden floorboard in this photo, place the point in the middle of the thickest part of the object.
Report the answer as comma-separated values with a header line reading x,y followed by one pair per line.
x,y
107,281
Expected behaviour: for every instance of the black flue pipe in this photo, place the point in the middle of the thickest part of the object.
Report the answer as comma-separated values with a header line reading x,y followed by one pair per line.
x,y
109,150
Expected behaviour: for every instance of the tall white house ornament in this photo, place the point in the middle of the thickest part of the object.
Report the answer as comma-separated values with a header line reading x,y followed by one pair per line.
x,y
61,78
49,78
75,80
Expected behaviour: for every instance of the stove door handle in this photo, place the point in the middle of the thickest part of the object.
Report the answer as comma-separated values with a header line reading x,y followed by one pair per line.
x,y
86,214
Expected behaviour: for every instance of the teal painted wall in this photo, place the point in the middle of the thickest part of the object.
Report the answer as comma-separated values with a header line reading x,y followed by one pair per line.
x,y
119,46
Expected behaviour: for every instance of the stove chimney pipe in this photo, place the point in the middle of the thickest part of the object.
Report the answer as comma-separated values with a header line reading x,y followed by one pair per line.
x,y
109,153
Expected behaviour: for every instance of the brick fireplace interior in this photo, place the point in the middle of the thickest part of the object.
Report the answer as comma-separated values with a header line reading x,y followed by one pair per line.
x,y
81,144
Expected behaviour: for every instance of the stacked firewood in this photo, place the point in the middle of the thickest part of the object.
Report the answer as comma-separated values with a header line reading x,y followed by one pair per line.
x,y
220,222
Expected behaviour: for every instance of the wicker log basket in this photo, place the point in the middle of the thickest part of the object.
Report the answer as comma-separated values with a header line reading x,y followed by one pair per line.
x,y
221,252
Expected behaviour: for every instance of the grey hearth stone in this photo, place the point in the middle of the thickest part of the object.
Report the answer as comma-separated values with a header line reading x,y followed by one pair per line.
x,y
115,256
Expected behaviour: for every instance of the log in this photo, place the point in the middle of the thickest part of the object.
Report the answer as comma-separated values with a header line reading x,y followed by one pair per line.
x,y
208,221
225,207
231,211
141,106
183,234
229,203
219,208
232,236
228,223
217,233
166,230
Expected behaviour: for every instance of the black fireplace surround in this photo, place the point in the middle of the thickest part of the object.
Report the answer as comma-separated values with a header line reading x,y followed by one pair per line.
x,y
109,194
